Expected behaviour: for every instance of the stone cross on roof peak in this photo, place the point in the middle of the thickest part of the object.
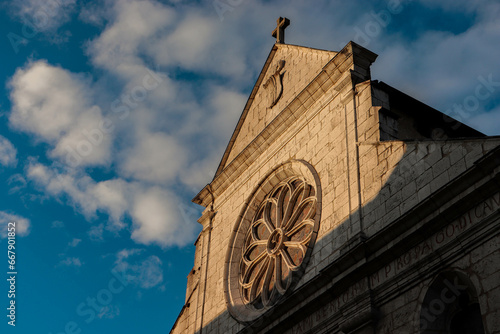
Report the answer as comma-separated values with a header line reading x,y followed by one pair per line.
x,y
279,32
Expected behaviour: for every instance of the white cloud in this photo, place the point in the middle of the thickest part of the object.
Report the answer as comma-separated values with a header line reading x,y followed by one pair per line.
x,y
191,37
124,254
93,14
46,100
111,194
197,43
156,214
16,183
96,232
86,194
171,136
71,262
109,312
74,242
441,68
134,23
151,272
227,105
158,219
44,16
218,117
57,224
22,225
146,273
7,153
87,142
156,157
55,105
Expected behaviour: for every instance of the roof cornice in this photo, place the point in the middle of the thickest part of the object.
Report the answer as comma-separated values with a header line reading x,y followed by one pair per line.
x,y
350,64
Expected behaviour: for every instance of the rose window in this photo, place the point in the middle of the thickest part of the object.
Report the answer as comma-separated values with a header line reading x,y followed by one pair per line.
x,y
276,237
276,242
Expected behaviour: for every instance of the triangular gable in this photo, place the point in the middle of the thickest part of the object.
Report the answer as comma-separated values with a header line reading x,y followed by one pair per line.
x,y
287,71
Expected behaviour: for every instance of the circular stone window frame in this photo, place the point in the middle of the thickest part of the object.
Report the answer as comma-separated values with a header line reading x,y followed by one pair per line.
x,y
240,310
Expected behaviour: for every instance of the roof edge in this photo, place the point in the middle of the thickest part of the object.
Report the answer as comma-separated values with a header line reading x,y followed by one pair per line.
x,y
236,131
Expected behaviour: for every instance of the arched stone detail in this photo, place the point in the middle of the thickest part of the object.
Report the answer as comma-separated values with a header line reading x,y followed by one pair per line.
x,y
272,240
448,299
274,85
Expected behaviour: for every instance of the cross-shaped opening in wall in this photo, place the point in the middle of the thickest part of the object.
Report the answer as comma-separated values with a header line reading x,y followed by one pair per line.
x,y
279,32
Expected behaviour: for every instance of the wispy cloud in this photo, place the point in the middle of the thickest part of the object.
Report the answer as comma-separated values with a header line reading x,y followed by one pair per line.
x,y
146,273
20,224
8,153
16,183
57,224
96,232
71,262
74,242
44,16
109,312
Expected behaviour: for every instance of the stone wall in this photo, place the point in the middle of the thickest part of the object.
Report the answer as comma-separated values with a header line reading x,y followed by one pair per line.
x,y
367,185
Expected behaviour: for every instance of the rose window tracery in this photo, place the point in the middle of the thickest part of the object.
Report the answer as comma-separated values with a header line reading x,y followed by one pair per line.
x,y
276,242
273,241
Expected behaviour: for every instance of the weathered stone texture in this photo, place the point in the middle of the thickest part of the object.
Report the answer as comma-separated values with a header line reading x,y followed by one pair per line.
x,y
382,199
301,66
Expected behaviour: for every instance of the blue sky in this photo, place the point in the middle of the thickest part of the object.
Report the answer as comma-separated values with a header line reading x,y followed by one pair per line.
x,y
114,114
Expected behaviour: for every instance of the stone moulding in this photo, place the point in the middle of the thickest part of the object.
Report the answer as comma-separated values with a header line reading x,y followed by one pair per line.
x,y
272,240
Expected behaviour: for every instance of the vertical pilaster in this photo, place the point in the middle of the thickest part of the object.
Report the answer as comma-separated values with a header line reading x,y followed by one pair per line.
x,y
205,238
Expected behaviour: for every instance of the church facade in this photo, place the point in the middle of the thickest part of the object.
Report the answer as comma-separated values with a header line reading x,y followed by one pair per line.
x,y
342,205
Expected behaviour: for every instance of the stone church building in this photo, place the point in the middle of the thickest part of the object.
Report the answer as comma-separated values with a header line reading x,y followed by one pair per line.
x,y
342,205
